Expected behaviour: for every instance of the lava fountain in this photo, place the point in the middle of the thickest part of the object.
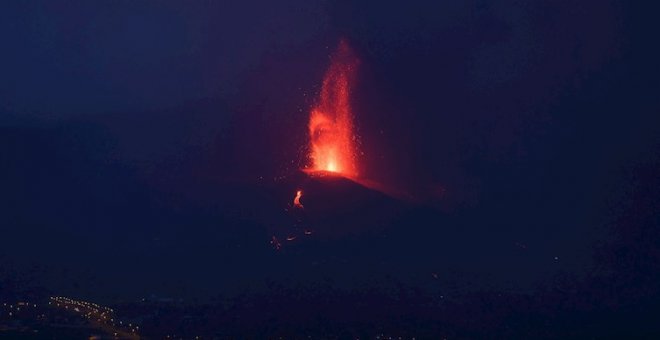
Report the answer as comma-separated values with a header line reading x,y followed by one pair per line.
x,y
332,137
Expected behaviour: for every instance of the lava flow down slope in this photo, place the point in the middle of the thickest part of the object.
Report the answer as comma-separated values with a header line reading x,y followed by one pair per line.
x,y
326,206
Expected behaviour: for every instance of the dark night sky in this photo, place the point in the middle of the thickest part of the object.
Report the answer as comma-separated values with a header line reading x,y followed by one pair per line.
x,y
82,58
528,124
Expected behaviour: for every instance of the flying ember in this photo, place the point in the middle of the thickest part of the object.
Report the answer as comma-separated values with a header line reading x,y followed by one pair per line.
x,y
332,139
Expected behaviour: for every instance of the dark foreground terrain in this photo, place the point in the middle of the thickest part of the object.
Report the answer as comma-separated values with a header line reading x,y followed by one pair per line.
x,y
221,258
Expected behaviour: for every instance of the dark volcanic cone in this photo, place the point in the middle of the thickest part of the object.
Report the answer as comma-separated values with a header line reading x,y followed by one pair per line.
x,y
331,207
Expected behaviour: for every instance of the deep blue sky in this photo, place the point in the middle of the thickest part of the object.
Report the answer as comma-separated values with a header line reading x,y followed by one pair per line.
x,y
80,57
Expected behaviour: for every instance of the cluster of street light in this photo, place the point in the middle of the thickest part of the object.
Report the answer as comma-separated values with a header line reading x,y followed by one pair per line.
x,y
78,305
93,312
11,309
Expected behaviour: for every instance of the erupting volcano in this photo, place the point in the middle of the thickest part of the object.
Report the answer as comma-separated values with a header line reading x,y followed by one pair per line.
x,y
332,139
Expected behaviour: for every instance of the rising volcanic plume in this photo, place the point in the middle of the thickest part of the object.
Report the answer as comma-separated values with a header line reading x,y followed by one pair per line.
x,y
331,131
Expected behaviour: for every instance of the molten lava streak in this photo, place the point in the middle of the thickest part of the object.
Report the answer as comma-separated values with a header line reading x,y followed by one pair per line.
x,y
332,140
296,200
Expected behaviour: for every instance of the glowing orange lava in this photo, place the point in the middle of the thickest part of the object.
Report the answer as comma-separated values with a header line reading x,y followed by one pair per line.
x,y
296,200
332,140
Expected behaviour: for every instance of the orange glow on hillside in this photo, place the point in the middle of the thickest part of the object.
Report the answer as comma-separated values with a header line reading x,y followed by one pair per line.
x,y
332,139
296,200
